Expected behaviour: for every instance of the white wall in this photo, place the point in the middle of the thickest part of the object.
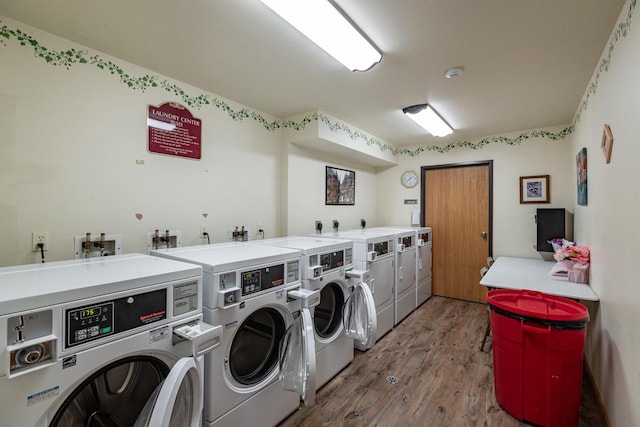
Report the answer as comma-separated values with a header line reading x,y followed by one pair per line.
x,y
514,230
609,223
70,139
306,192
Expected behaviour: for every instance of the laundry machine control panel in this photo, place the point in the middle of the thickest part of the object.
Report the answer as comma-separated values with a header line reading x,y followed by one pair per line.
x,y
332,260
381,248
407,241
424,238
262,279
92,322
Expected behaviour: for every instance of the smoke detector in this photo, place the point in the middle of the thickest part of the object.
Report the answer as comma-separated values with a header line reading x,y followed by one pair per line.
x,y
453,72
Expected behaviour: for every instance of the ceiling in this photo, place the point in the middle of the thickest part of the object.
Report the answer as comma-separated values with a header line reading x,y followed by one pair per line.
x,y
526,63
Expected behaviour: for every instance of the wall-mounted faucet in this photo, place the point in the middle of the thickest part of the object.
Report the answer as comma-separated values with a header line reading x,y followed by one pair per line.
x,y
87,245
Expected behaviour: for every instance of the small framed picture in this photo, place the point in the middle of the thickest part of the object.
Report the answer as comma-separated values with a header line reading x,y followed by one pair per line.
x,y
607,143
340,186
534,189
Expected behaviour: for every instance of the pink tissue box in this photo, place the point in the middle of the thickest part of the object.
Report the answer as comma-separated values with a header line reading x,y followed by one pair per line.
x,y
579,273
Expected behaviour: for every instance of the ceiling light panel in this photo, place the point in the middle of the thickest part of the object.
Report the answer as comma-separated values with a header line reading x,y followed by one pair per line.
x,y
425,116
322,23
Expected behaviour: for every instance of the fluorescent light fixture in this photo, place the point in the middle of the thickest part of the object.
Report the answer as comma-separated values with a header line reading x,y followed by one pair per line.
x,y
429,119
326,26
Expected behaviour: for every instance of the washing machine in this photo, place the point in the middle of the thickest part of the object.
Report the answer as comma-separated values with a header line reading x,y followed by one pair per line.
x,y
111,341
265,365
373,251
406,269
346,310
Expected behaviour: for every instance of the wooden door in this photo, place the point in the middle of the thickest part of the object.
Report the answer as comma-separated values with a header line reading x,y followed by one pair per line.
x,y
456,204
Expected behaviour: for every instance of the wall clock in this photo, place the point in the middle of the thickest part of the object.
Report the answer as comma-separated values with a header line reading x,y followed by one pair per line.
x,y
409,179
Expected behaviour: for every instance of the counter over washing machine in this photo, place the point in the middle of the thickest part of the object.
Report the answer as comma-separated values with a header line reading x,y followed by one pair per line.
x,y
266,363
373,251
346,310
116,341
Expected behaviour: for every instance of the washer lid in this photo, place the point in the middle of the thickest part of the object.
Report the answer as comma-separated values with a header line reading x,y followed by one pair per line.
x,y
223,257
307,244
27,287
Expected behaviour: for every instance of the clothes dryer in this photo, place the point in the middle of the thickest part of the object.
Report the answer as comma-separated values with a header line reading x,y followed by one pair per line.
x,y
406,269
111,341
423,249
373,251
346,310
423,291
266,362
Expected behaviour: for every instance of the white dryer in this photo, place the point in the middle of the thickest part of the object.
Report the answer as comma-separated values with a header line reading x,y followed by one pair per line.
x,y
406,265
346,310
255,293
112,341
423,250
423,292
373,251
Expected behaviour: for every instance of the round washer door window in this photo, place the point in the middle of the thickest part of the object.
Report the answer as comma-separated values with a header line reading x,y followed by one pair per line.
x,y
254,349
327,317
113,395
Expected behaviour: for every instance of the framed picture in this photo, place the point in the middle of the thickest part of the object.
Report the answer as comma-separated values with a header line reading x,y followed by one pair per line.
x,y
581,174
607,143
340,186
534,189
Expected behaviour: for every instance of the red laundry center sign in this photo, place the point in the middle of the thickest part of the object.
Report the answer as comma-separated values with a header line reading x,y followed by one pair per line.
x,y
172,130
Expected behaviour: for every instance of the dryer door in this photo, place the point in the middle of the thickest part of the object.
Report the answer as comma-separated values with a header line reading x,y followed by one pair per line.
x,y
298,358
177,400
359,316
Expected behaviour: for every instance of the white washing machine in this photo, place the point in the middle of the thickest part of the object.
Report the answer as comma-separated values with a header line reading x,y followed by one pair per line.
x,y
373,251
111,341
346,310
266,363
406,265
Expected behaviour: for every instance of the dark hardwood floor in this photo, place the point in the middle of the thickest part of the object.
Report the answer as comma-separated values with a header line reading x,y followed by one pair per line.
x,y
428,371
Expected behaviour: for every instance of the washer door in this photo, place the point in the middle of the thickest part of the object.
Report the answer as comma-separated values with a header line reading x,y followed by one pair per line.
x,y
253,356
359,316
116,394
297,358
327,314
177,401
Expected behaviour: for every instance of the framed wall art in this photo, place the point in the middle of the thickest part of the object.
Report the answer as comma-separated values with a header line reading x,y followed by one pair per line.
x,y
607,143
581,173
340,186
534,189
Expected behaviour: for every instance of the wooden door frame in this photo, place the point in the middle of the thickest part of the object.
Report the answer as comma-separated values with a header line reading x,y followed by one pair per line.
x,y
488,163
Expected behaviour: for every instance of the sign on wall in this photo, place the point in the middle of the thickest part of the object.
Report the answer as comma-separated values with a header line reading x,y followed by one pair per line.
x,y
172,130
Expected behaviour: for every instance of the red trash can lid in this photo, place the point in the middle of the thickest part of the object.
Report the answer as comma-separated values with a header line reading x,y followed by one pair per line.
x,y
537,305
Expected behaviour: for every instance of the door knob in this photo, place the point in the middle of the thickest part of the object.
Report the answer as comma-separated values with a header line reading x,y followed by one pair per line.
x,y
484,234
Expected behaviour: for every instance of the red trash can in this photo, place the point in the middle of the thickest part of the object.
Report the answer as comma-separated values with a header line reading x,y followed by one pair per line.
x,y
538,342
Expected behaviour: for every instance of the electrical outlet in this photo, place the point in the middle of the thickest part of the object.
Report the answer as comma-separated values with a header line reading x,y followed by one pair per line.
x,y
203,230
39,237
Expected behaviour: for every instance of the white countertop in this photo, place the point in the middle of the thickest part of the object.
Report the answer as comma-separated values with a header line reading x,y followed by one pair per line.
x,y
533,274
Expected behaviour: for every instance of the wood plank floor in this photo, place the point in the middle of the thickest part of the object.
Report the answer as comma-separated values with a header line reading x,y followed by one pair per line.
x,y
443,377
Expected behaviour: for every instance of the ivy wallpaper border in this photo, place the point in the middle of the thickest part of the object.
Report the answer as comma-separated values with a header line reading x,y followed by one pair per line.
x,y
71,57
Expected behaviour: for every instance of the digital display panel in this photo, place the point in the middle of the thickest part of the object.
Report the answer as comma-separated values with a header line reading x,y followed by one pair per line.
x,y
90,312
